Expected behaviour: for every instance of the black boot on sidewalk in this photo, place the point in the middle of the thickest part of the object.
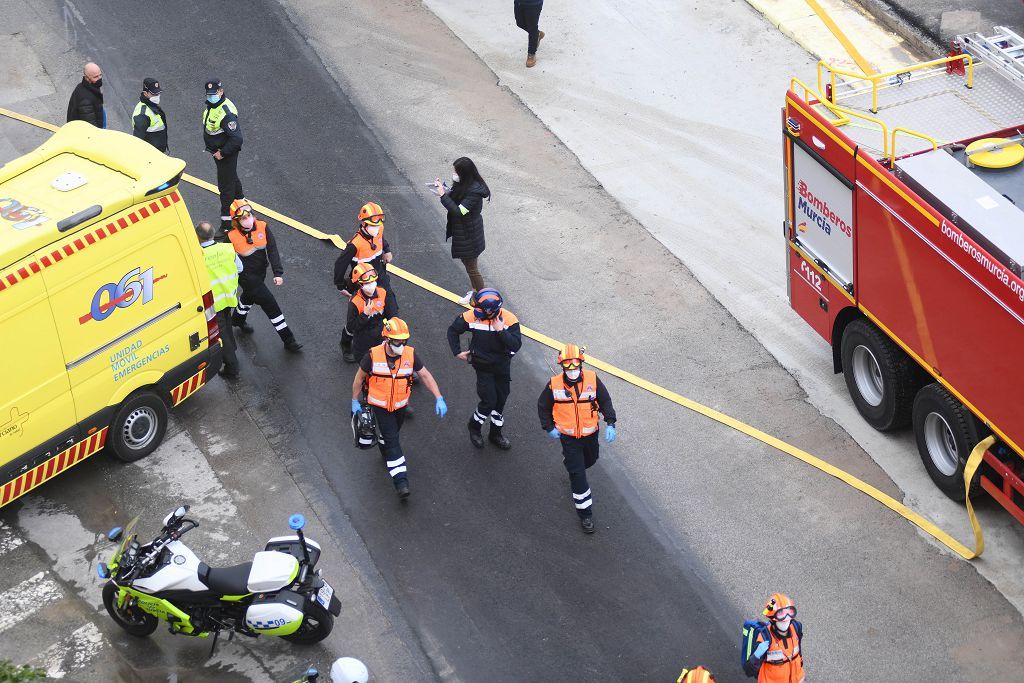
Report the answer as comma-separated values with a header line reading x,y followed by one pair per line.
x,y
475,434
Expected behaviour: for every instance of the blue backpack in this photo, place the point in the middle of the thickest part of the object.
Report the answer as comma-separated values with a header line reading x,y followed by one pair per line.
x,y
751,627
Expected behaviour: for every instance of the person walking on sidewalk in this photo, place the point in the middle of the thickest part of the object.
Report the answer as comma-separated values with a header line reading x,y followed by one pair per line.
x,y
223,266
569,408
86,103
385,374
494,339
464,203
367,310
148,120
223,137
256,246
527,18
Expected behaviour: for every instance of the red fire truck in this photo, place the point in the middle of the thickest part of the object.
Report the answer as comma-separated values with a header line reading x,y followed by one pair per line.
x,y
905,242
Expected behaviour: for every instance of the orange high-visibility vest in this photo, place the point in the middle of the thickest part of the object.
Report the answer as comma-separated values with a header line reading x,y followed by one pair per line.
x,y
508,317
246,244
783,662
575,414
366,250
388,387
372,306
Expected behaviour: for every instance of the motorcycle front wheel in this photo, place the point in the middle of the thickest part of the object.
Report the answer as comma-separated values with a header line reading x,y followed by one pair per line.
x,y
133,620
316,625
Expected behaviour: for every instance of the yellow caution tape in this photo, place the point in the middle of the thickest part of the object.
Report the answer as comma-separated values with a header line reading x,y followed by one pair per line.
x,y
888,501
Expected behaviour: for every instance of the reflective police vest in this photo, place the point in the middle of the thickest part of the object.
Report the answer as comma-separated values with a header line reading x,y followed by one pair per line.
x,y
575,414
213,116
220,264
783,662
388,387
246,243
367,250
156,122
371,306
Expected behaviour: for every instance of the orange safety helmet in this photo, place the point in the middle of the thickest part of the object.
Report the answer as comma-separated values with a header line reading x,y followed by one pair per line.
x,y
371,213
778,601
363,273
395,328
240,207
571,352
698,674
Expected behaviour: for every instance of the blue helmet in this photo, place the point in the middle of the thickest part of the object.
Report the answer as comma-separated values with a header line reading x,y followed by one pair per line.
x,y
486,303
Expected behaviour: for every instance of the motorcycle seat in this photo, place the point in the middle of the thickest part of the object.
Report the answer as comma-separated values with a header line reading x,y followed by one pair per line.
x,y
226,580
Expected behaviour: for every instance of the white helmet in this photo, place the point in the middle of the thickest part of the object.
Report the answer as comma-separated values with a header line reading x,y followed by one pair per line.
x,y
349,670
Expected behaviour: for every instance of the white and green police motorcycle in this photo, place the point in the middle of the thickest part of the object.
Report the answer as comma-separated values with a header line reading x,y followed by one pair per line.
x,y
279,593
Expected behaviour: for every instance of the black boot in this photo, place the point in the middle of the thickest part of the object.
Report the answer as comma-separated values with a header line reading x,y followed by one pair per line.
x,y
292,346
498,439
475,434
403,489
587,523
346,347
242,326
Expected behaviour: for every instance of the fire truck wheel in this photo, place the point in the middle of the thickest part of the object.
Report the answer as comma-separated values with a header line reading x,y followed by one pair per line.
x,y
138,427
946,432
881,378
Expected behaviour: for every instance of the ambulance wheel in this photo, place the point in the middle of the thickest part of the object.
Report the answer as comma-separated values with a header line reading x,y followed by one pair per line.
x,y
881,378
316,625
133,620
946,433
138,427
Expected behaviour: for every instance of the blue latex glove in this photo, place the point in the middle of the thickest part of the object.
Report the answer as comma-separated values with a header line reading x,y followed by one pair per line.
x,y
761,649
356,406
609,433
440,407
553,433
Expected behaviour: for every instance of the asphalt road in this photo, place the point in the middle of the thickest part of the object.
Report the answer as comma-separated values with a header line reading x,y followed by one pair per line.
x,y
486,560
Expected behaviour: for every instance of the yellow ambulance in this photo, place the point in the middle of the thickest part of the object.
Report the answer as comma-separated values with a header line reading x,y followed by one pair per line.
x,y
106,315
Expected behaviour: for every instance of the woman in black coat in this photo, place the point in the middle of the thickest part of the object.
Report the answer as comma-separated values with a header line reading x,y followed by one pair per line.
x,y
464,203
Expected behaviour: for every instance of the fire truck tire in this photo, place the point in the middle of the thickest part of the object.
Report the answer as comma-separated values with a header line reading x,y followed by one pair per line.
x,y
946,433
138,426
881,378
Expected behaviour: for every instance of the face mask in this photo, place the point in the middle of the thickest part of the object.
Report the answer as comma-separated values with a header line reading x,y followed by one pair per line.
x,y
373,230
397,349
573,375
369,289
98,83
155,99
248,222
455,177
212,99
783,626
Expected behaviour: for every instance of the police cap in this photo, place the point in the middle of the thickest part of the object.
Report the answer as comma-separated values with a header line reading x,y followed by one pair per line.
x,y
152,86
212,86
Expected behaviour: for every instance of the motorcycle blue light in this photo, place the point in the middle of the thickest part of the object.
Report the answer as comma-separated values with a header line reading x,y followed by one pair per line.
x,y
103,571
114,533
296,522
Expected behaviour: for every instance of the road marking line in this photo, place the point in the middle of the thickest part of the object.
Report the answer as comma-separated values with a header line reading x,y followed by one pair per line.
x,y
27,598
71,652
885,499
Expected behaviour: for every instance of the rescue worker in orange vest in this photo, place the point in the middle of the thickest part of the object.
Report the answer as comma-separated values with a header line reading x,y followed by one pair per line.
x,y
367,310
569,408
698,674
366,246
385,373
255,245
494,339
778,656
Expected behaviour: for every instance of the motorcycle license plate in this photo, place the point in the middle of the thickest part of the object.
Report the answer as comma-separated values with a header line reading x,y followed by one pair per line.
x,y
324,595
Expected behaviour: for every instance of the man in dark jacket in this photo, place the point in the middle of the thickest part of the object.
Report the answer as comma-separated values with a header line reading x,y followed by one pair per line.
x,y
86,103
256,246
223,137
495,338
148,119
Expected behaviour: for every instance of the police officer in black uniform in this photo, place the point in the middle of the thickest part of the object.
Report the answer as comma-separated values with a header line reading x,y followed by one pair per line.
x,y
148,120
223,137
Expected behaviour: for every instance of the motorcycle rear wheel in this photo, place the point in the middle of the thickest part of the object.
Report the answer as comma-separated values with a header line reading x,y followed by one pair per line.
x,y
134,621
317,625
